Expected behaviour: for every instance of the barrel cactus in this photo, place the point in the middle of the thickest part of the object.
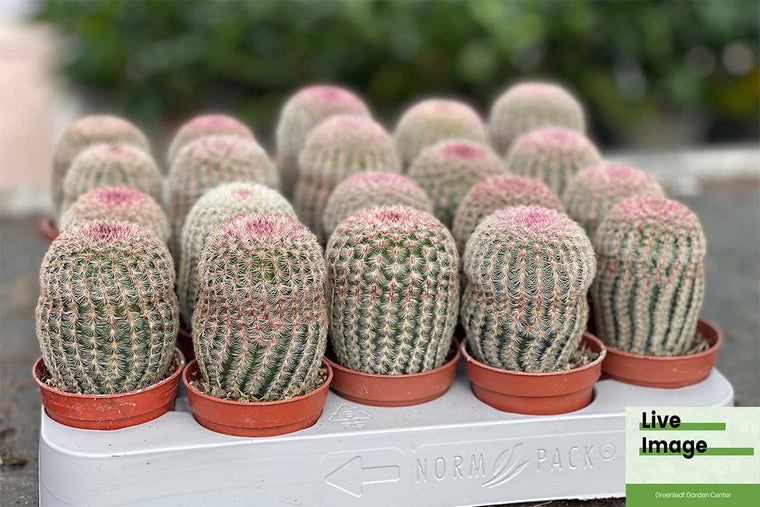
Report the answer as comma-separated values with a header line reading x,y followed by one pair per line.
x,y
553,155
206,125
649,287
302,112
110,165
596,189
447,170
260,322
120,204
208,162
392,291
527,271
527,106
107,315
497,192
216,207
339,147
84,133
366,190
433,120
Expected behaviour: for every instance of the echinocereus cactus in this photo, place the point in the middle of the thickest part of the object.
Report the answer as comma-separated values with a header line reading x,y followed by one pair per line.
x,y
650,283
495,193
208,162
337,148
392,291
530,105
111,165
84,133
120,204
447,170
302,112
366,190
107,316
524,307
596,189
206,125
553,155
431,121
216,207
260,322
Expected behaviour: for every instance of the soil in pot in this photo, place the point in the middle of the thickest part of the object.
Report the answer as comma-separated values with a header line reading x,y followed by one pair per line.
x,y
185,344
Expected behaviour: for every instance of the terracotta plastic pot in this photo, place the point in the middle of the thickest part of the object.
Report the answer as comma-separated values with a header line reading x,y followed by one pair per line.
x,y
108,411
395,390
185,344
255,419
536,393
47,229
668,372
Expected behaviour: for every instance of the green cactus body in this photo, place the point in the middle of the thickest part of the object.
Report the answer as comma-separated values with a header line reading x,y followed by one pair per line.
x,y
206,125
393,292
84,133
339,147
111,165
302,112
216,207
447,170
527,106
366,190
650,284
596,189
120,204
524,306
107,315
260,323
208,162
497,192
553,155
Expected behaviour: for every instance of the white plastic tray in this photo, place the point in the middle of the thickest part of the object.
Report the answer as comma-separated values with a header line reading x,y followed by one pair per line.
x,y
452,451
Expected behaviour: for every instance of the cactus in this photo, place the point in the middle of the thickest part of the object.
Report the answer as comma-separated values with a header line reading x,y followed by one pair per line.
x,y
216,207
447,170
107,316
392,291
339,147
208,162
302,112
524,306
206,125
649,287
111,165
527,106
84,133
497,192
596,189
431,121
120,204
366,190
553,155
260,322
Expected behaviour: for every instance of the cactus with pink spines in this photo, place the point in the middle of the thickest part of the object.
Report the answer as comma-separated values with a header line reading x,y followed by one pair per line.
x,y
206,125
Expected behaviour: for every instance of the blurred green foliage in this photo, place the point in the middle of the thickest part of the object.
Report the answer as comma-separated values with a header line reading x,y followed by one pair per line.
x,y
629,61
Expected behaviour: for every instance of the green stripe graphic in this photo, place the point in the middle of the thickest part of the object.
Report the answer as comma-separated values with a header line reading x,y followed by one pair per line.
x,y
711,451
686,426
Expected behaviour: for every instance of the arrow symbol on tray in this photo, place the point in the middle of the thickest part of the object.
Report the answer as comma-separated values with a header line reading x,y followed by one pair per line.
x,y
352,475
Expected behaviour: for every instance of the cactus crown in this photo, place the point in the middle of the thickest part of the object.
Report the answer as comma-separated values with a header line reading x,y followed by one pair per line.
x,y
207,125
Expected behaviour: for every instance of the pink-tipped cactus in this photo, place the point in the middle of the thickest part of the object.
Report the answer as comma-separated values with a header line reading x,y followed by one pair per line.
x,y
495,193
596,189
302,112
650,283
118,204
530,105
553,155
365,190
206,125
431,121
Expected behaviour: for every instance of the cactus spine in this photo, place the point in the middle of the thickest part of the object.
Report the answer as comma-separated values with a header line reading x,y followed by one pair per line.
x,y
524,307
260,323
107,315
392,291
650,285
207,125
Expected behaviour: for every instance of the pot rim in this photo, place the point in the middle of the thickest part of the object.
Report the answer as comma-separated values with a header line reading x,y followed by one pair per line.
x,y
700,322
